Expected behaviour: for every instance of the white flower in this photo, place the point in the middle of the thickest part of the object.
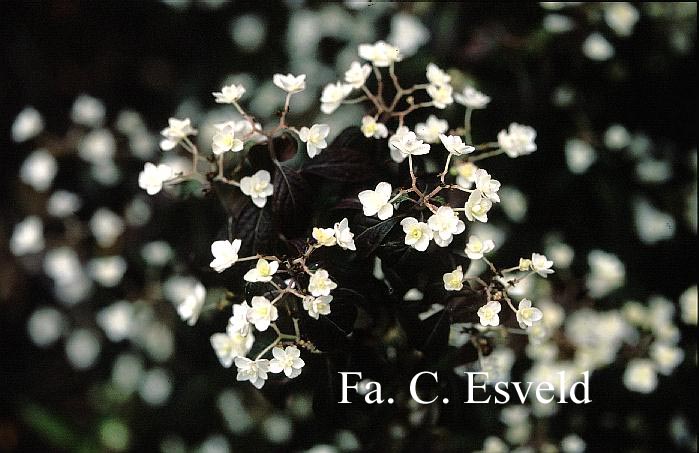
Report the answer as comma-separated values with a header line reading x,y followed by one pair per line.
x,y
225,254
455,145
472,98
287,360
476,248
324,236
316,306
454,281
261,313
230,345
254,371
257,187
343,235
396,155
28,124
518,141
689,305
239,321
410,145
39,170
488,314
229,94
314,138
290,83
488,187
666,356
466,174
436,76
190,308
441,95
528,315
430,130
525,264
376,201
541,265
417,234
225,140
176,131
640,376
621,17
27,237
262,272
597,48
445,223
357,74
381,54
333,95
370,128
320,284
152,177
477,207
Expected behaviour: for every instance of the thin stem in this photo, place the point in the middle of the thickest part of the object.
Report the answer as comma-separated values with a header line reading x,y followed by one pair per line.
x,y
374,100
446,169
268,348
467,125
355,100
486,155
282,118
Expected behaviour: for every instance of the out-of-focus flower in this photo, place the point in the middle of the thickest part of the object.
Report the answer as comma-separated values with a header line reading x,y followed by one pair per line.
x,y
106,227
375,202
152,177
441,95
407,33
518,140
607,273
257,187
688,305
640,376
107,270
27,237
472,98
370,128
290,83
465,174
88,111
62,204
230,345
597,48
28,124
225,254
437,76
314,138
229,94
38,170
287,360
357,74
580,155
190,308
621,17
431,129
667,357
381,54
176,131
617,137
117,320
333,95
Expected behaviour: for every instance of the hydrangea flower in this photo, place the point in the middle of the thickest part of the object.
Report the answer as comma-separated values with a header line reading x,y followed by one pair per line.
x,y
376,202
528,315
230,345
314,138
239,321
225,140
229,94
455,145
437,76
541,265
454,280
261,313
370,128
357,74
409,144
472,98
487,186
441,95
417,234
152,177
320,283
488,314
290,83
518,140
176,131
258,187
431,129
262,272
225,254
190,308
254,371
381,54
316,306
445,223
476,248
287,360
324,236
343,235
465,174
396,155
477,207
333,95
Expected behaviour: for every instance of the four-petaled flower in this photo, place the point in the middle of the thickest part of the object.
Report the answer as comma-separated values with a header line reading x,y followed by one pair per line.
x,y
370,128
488,314
254,371
287,360
261,313
176,131
343,235
230,345
225,140
431,129
229,94
541,265
528,315
455,145
445,223
152,177
477,207
333,95
441,95
454,281
357,74
290,83
375,202
225,254
324,236
262,272
320,284
472,98
381,54
314,138
518,140
417,234
257,187
316,306
488,187
409,144
476,248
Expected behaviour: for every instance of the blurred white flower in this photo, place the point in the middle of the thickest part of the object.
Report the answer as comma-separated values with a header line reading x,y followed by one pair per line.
x,y
688,305
572,443
357,74
465,174
314,138
407,32
381,54
117,320
370,128
27,237
316,306
230,345
607,273
82,348
488,314
476,248
225,254
417,234
106,227
62,203
258,187
190,307
287,360
333,95
652,225
667,357
290,83
640,376
45,326
437,76
621,17
597,48
375,202
97,146
176,131
107,270
320,283
152,177
254,371
262,272
38,170
558,23
617,137
28,124
87,111
472,98
580,155
229,94
518,140
441,95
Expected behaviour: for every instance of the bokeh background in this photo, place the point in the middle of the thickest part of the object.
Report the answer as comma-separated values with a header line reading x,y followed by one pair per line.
x,y
615,112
